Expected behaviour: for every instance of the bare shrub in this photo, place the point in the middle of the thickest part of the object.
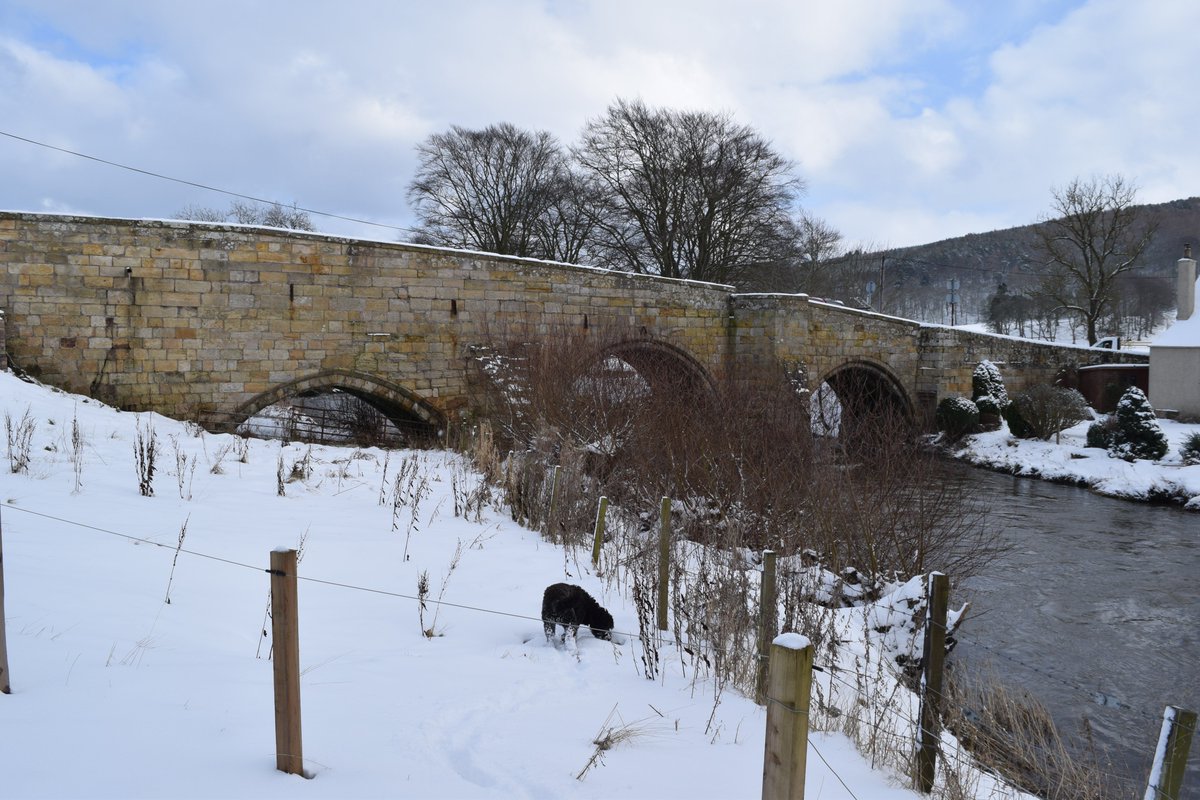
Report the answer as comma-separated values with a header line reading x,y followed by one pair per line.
x,y
77,445
409,488
145,454
610,735
185,469
643,600
423,592
175,559
1009,731
738,457
20,440
280,484
216,468
1047,410
625,417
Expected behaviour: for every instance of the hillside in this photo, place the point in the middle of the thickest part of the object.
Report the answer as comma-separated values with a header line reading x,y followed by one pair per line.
x,y
916,277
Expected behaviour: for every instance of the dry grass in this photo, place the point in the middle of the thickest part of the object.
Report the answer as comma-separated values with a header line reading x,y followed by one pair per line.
x,y
1010,732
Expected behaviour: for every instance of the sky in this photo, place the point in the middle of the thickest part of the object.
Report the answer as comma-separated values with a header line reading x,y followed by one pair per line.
x,y
910,120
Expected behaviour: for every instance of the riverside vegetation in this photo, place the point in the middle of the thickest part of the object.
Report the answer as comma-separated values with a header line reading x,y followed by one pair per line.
x,y
852,521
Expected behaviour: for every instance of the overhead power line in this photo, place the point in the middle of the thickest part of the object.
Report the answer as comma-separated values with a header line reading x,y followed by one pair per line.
x,y
204,186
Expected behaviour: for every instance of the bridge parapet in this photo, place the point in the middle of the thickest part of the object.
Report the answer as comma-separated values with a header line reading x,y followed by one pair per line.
x,y
192,319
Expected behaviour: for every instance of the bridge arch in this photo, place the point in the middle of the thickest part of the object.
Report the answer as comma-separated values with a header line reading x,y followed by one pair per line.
x,y
402,407
866,392
667,369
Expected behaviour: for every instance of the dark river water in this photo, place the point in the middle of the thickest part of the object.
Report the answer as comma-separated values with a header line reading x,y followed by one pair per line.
x,y
1095,611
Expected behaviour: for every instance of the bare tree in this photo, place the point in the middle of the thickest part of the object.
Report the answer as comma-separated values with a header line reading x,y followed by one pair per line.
x,y
684,194
196,213
564,230
818,243
500,189
1095,235
274,215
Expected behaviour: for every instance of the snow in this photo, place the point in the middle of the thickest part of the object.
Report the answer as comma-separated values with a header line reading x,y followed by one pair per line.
x,y
1182,333
1154,783
119,693
1069,461
792,641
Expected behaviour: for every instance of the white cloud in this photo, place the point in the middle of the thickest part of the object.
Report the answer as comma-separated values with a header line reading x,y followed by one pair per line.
x,y
910,119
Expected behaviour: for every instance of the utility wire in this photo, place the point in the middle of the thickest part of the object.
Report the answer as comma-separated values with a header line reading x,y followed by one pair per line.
x,y
204,186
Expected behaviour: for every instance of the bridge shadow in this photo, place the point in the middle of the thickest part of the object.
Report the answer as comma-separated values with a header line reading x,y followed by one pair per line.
x,y
859,401
339,407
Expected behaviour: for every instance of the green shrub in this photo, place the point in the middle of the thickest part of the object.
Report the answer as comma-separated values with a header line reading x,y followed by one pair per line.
x,y
1190,449
1017,425
987,405
1138,433
1047,410
956,417
1100,434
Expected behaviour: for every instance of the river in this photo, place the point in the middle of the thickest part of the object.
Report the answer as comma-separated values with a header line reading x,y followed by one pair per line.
x,y
1095,610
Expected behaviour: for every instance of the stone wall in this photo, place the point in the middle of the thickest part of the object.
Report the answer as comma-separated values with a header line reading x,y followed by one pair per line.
x,y
188,319
199,320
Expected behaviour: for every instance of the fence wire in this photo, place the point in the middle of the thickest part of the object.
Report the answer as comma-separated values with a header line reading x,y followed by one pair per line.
x,y
831,670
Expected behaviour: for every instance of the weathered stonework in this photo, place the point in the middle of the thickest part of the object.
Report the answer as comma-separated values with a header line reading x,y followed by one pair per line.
x,y
200,320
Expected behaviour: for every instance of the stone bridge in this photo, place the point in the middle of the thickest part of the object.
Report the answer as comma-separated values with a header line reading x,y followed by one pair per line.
x,y
215,322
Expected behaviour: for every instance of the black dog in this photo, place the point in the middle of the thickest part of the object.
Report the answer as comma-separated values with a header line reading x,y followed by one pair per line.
x,y
570,606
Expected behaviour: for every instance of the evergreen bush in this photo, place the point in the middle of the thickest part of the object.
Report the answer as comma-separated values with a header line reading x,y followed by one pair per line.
x,y
1190,449
988,405
956,417
986,382
1017,425
1100,434
1047,410
1138,433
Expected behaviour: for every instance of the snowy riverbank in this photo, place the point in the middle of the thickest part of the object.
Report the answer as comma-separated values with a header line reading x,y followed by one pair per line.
x,y
146,697
1068,461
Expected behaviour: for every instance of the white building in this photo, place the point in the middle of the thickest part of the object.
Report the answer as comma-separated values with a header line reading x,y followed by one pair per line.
x,y
1175,353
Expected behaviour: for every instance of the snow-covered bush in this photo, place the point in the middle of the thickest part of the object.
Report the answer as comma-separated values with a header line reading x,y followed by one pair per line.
x,y
1190,449
987,388
1138,433
1045,410
956,417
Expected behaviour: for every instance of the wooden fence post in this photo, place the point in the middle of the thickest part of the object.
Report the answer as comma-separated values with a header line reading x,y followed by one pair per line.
x,y
286,644
767,611
931,680
1170,757
598,538
5,686
789,688
664,561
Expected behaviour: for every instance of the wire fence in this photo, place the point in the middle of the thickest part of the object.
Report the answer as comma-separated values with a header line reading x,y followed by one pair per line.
x,y
882,725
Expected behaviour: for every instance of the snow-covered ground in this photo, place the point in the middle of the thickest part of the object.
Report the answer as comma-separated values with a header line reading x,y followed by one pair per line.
x,y
1069,461
119,693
